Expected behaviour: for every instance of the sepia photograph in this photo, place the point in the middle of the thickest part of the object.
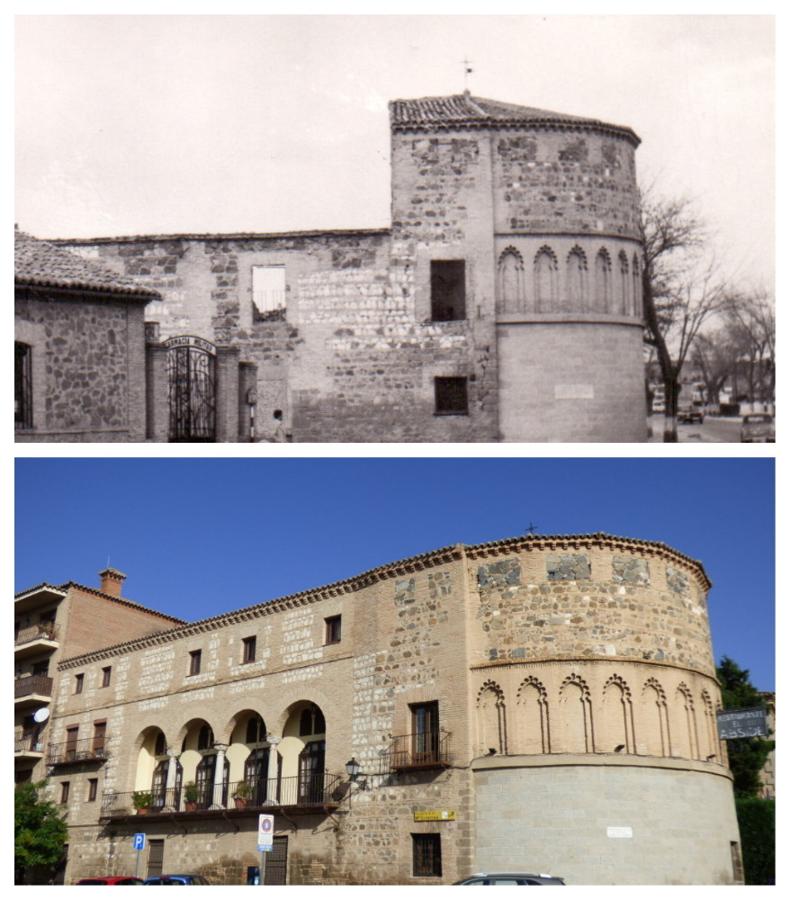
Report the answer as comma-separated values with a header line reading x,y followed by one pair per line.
x,y
394,229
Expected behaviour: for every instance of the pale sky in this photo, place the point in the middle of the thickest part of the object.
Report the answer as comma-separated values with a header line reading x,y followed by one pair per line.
x,y
168,124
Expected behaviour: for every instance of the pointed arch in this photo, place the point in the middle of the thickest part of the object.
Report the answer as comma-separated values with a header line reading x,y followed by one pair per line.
x,y
511,296
602,300
623,292
710,746
683,724
574,728
491,719
616,728
575,298
545,275
636,288
653,736
532,717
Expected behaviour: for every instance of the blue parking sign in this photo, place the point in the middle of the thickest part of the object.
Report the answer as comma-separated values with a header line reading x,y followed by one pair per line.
x,y
138,841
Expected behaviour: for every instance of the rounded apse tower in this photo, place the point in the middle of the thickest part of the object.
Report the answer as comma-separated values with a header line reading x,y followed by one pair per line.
x,y
595,698
544,208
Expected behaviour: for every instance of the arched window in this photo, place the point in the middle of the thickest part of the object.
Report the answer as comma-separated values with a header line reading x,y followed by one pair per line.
x,y
511,281
205,738
256,730
256,774
204,779
575,281
160,747
622,293
491,722
311,721
545,271
602,300
636,293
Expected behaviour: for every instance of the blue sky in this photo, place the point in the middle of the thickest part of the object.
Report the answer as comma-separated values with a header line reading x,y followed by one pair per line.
x,y
197,537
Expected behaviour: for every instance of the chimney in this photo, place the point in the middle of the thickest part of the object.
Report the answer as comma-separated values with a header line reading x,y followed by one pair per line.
x,y
111,582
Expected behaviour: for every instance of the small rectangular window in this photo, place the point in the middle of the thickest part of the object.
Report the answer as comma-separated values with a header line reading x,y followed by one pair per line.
x,y
451,397
93,787
194,662
248,654
268,292
79,683
448,290
99,735
64,792
106,674
333,630
427,855
23,386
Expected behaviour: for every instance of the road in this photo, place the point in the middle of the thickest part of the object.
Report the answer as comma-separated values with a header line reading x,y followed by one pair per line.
x,y
715,430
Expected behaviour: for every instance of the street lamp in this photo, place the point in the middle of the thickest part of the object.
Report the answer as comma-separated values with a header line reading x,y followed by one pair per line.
x,y
354,770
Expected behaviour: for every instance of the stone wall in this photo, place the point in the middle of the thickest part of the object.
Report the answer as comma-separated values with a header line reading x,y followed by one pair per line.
x,y
88,366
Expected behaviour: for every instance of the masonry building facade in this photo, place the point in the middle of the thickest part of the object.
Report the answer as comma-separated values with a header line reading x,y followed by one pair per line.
x,y
503,303
534,704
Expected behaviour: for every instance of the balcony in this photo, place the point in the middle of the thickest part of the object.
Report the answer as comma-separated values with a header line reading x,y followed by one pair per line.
x,y
32,640
427,750
80,751
315,793
28,747
32,690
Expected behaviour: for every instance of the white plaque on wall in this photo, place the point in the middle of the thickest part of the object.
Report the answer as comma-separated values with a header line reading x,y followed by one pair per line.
x,y
574,392
619,831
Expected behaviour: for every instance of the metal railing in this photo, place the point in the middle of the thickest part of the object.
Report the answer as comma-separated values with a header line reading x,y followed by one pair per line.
x,y
28,744
44,630
33,684
297,792
426,750
84,750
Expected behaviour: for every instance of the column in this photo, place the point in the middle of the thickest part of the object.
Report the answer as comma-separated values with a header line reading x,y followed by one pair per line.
x,y
272,788
171,801
219,777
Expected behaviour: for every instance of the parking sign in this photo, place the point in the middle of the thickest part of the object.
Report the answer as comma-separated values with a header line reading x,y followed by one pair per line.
x,y
138,841
265,832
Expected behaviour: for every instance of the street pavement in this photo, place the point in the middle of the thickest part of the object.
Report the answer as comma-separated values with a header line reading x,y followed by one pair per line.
x,y
714,430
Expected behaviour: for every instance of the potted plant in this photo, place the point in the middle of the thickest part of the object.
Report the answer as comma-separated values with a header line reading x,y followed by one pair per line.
x,y
190,796
242,794
141,800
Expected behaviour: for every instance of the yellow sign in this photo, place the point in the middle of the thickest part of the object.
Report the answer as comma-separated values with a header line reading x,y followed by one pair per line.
x,y
435,815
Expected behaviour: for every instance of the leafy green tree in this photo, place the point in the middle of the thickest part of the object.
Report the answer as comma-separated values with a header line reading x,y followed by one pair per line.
x,y
40,834
747,755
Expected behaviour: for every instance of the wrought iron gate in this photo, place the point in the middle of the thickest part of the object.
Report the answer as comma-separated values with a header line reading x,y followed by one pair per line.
x,y
191,371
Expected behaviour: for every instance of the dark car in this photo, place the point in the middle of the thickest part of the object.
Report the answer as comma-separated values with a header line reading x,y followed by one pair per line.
x,y
758,428
176,879
510,878
111,879
690,413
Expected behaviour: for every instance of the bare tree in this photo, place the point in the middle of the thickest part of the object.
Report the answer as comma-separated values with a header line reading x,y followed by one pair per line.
x,y
680,287
751,322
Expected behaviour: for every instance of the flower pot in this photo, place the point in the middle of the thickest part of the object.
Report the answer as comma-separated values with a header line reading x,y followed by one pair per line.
x,y
142,811
190,805
241,802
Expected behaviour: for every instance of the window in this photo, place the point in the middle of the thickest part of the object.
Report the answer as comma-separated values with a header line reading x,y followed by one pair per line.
x,y
268,292
451,397
79,683
256,730
71,741
448,290
160,746
205,738
93,787
425,732
64,792
42,668
106,673
99,735
332,630
194,662
311,721
427,855
23,386
248,651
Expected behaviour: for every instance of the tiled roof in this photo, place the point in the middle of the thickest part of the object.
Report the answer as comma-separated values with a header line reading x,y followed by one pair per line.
x,y
225,236
463,110
42,264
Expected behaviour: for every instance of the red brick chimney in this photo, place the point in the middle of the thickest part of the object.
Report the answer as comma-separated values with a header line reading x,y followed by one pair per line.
x,y
111,581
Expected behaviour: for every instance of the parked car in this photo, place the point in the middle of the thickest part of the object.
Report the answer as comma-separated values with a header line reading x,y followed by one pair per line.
x,y
510,878
691,412
176,879
758,428
111,879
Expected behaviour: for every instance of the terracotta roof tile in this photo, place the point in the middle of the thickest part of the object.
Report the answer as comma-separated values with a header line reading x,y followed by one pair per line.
x,y
463,110
41,263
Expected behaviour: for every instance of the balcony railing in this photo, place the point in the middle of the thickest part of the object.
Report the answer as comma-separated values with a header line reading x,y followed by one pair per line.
x,y
299,792
427,750
42,631
85,750
28,744
33,684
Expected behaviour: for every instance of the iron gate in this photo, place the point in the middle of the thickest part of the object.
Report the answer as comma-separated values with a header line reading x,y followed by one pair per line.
x,y
191,372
